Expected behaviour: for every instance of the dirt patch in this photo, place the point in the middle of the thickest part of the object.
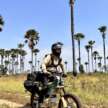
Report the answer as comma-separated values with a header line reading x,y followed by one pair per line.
x,y
9,104
14,100
15,97
6,103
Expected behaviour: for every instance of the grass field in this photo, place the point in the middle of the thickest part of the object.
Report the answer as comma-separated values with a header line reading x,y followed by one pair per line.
x,y
91,89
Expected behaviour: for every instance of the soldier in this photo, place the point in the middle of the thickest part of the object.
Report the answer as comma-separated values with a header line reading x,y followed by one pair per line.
x,y
52,63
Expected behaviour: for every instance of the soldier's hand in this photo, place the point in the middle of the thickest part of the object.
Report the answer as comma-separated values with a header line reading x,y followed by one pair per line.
x,y
48,73
64,75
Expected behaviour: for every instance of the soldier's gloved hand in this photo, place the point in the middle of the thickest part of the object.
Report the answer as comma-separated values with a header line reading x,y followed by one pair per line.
x,y
48,73
64,75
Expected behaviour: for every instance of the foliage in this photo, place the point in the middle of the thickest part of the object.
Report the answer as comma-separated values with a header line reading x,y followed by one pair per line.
x,y
32,37
1,23
79,36
102,29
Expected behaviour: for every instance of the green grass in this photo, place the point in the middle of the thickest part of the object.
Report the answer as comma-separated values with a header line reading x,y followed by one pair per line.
x,y
91,89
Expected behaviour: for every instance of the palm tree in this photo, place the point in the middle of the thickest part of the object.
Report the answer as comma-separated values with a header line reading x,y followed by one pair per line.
x,y
35,51
86,64
32,39
100,62
87,47
72,36
2,54
66,64
17,53
20,46
102,30
1,23
107,64
91,43
95,54
99,65
6,63
38,64
78,37
13,56
31,65
7,54
23,53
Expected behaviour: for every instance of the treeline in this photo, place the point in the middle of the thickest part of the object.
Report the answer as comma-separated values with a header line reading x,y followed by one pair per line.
x,y
94,58
12,60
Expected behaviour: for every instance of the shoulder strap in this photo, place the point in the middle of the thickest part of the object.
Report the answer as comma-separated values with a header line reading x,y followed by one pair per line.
x,y
60,60
52,61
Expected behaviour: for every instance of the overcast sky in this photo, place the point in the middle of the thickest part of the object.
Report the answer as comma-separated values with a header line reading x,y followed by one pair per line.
x,y
51,18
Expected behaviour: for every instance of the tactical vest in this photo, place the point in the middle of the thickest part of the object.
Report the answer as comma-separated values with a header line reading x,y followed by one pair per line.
x,y
52,62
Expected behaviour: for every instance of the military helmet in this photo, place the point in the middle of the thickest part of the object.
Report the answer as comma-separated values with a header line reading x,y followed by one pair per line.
x,y
56,48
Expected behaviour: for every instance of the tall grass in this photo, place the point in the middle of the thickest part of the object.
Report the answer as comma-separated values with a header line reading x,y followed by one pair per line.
x,y
13,84
91,89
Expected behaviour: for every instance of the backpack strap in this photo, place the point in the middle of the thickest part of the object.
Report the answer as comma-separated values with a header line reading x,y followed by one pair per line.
x,y
52,62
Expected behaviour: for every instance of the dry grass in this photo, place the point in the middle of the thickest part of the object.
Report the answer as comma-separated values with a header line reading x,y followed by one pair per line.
x,y
92,89
11,88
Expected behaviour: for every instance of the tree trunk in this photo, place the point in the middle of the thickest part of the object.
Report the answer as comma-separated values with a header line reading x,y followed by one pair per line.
x,y
72,35
32,60
92,58
38,66
8,67
1,60
88,62
20,63
86,68
23,64
95,65
104,53
12,66
35,62
79,54
101,65
17,64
